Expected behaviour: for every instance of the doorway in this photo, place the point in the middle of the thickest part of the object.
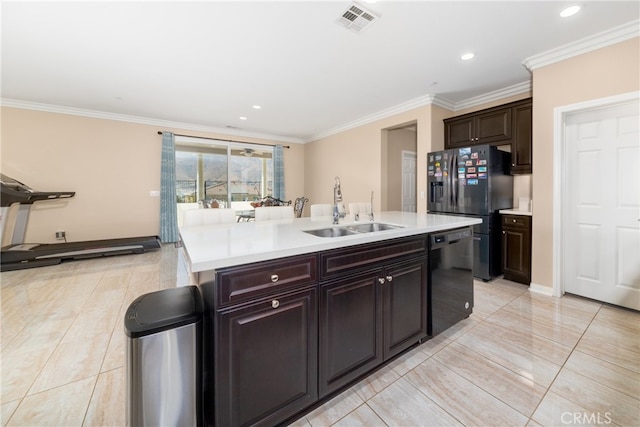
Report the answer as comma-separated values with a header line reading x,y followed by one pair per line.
x,y
408,175
599,228
399,171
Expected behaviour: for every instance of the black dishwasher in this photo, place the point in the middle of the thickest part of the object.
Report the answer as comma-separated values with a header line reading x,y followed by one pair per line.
x,y
450,278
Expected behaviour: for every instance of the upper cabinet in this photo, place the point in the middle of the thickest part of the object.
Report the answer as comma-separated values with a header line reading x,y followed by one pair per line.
x,y
508,124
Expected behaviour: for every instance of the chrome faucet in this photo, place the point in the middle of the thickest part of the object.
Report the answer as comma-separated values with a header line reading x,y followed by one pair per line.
x,y
337,198
371,212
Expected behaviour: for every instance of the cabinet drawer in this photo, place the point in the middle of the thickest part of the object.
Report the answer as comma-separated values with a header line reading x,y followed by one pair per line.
x,y
520,221
242,283
343,261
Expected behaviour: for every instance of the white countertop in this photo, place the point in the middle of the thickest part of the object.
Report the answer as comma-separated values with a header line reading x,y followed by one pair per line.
x,y
515,212
215,246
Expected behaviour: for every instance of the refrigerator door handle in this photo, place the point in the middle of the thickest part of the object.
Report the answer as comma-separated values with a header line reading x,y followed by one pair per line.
x,y
454,179
450,183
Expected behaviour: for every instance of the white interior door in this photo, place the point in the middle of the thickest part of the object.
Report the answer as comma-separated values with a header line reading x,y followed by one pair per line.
x,y
409,168
601,204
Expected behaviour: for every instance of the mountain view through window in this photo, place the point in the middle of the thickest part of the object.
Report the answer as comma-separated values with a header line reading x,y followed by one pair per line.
x,y
213,174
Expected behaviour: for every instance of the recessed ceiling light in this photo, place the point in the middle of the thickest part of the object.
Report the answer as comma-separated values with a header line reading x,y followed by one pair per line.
x,y
570,11
467,56
243,118
257,107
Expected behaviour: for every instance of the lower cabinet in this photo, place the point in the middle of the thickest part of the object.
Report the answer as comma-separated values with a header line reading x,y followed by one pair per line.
x,y
350,330
282,334
369,318
405,305
516,248
266,360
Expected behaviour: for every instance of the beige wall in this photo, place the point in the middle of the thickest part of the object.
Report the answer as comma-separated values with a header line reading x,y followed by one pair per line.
x,y
399,140
355,155
605,72
111,165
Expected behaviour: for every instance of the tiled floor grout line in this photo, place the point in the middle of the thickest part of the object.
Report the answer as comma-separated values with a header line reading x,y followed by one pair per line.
x,y
562,367
487,391
35,379
554,313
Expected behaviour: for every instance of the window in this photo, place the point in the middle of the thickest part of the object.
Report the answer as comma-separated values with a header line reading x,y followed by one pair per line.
x,y
232,174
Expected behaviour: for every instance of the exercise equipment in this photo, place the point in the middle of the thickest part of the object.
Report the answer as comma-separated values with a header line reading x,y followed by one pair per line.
x,y
19,255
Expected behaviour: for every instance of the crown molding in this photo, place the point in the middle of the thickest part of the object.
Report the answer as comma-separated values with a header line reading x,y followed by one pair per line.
x,y
49,108
400,108
517,89
588,44
513,90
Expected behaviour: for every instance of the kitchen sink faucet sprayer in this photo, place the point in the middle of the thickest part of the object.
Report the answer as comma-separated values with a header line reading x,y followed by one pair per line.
x,y
337,198
371,210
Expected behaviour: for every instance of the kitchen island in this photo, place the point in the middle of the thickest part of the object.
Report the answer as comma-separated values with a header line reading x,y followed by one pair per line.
x,y
210,247
291,318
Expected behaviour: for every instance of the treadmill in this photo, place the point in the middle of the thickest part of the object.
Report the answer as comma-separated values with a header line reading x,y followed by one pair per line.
x,y
19,255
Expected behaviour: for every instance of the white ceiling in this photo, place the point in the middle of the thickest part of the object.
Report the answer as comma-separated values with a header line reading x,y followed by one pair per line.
x,y
207,63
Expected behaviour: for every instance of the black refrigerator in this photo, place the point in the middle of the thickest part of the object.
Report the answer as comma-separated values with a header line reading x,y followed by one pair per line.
x,y
473,181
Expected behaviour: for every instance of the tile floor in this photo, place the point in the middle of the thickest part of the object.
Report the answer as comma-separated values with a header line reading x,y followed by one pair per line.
x,y
520,359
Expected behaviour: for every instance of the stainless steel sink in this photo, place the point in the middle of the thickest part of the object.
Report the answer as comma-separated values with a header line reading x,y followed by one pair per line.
x,y
353,229
332,232
374,226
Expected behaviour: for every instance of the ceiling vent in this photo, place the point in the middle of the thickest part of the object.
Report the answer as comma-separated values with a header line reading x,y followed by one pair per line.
x,y
356,18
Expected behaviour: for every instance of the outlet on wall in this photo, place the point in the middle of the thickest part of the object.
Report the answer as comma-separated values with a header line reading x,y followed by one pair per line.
x,y
61,235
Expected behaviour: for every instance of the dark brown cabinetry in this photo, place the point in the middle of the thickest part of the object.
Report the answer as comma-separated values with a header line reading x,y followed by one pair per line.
x,y
282,334
372,315
516,248
475,129
521,146
350,330
266,342
508,124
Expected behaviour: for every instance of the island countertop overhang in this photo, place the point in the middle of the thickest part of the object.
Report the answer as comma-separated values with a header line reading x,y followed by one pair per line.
x,y
211,247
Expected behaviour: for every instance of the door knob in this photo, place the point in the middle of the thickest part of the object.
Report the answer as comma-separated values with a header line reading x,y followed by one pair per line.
x,y
389,278
381,280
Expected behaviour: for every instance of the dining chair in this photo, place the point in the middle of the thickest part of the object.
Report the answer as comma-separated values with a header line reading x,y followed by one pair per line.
x,y
208,216
298,206
321,209
270,213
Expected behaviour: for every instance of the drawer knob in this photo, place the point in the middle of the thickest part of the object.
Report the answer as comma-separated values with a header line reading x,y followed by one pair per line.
x,y
274,278
514,220
381,280
389,278
275,303
504,232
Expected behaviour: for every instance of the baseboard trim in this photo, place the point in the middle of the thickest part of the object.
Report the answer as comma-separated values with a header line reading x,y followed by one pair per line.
x,y
540,289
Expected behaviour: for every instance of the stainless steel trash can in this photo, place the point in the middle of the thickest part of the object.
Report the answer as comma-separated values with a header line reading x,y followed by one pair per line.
x,y
164,358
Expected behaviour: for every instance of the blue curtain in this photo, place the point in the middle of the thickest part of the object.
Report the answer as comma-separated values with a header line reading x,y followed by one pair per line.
x,y
278,172
168,208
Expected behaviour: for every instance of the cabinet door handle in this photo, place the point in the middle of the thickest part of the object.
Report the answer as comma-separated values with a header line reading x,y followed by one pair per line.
x,y
381,280
275,303
515,221
504,232
389,278
274,278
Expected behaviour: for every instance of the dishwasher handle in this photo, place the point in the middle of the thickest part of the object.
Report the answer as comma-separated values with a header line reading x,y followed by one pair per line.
x,y
441,240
